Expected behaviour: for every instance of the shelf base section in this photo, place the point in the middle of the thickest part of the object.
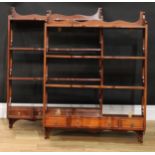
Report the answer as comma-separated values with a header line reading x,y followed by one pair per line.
x,y
16,113
91,119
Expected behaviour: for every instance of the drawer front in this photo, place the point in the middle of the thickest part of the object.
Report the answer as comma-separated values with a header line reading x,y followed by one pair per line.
x,y
106,123
131,123
109,123
115,123
84,122
76,122
21,113
56,121
91,122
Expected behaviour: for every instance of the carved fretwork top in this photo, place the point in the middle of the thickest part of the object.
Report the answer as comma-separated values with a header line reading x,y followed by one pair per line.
x,y
96,20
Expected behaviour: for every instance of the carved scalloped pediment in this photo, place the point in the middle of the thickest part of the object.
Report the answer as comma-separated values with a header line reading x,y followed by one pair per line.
x,y
95,20
17,16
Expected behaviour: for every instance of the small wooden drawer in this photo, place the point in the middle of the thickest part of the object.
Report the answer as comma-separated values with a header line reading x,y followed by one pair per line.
x,y
21,113
76,122
91,122
115,123
55,121
109,122
131,123
105,123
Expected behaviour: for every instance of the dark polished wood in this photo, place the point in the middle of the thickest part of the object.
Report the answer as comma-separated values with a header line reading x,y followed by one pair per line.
x,y
95,57
94,86
86,118
77,118
74,49
15,113
25,112
21,49
90,118
25,78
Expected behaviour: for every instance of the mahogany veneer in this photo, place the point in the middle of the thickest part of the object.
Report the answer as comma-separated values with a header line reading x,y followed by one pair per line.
x,y
90,118
77,118
27,113
15,113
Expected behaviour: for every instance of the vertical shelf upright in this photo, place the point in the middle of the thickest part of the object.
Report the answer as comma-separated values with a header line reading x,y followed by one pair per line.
x,y
101,70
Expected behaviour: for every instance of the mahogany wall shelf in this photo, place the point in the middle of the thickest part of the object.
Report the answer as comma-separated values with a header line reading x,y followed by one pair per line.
x,y
15,113
80,118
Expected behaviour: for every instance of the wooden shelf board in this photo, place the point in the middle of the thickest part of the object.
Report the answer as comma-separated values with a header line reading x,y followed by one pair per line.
x,y
55,79
95,57
96,24
74,49
20,49
26,78
95,86
74,79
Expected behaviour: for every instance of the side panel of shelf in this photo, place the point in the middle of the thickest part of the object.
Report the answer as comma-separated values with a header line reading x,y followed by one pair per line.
x,y
9,66
101,69
145,48
45,72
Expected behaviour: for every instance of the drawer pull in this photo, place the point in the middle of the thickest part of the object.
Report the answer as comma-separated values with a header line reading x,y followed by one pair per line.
x,y
18,113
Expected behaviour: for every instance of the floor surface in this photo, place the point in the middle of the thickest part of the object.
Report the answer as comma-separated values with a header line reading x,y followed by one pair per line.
x,y
29,136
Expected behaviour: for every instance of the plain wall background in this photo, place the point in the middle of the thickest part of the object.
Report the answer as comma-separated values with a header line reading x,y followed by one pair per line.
x,y
112,11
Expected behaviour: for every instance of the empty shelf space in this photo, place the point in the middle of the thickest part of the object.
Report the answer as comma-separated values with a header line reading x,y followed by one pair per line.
x,y
26,78
95,86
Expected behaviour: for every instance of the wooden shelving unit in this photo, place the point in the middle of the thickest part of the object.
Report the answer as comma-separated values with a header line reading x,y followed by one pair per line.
x,y
15,113
79,118
87,118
